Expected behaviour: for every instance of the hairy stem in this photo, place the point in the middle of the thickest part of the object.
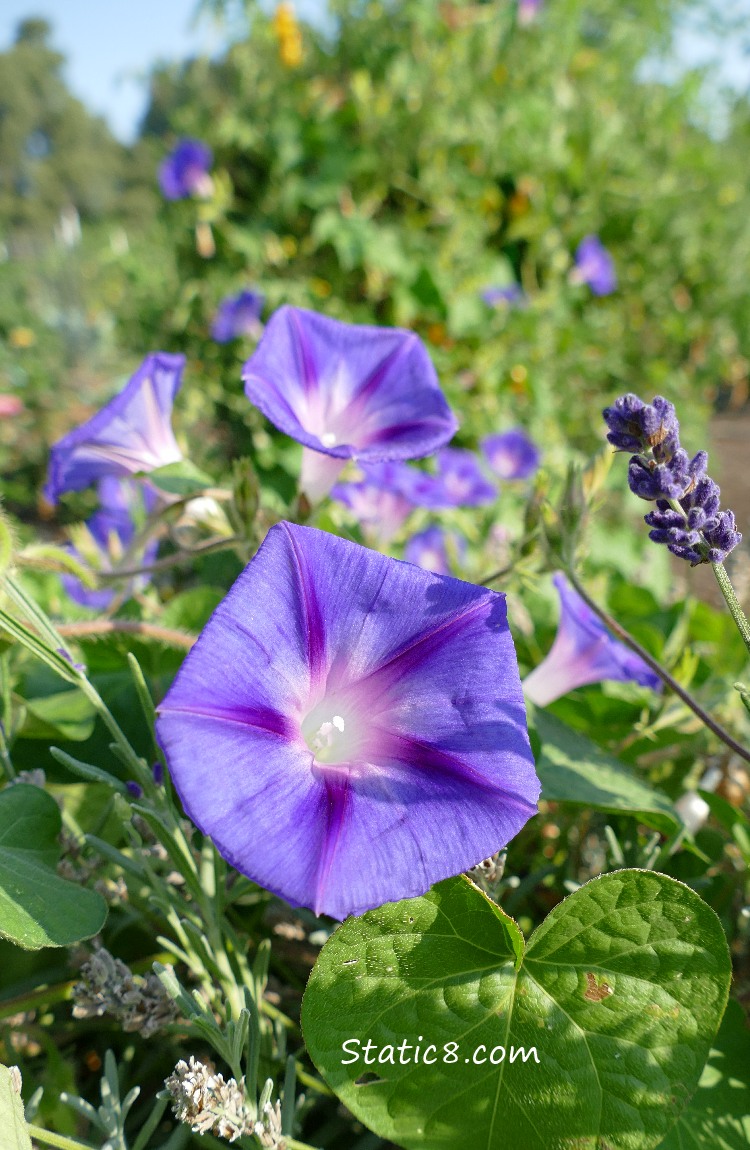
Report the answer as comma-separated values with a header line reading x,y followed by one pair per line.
x,y
223,543
625,637
732,602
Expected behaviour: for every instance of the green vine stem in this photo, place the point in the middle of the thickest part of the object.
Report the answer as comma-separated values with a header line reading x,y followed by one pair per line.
x,y
657,668
58,1140
733,603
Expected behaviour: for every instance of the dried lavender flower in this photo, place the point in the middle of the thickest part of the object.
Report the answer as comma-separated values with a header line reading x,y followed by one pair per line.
x,y
208,1103
108,986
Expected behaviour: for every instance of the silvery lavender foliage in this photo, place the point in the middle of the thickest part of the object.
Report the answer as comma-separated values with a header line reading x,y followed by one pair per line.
x,y
687,517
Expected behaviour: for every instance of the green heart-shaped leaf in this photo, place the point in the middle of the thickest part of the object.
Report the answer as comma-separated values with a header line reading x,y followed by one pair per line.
x,y
37,907
718,1118
599,1029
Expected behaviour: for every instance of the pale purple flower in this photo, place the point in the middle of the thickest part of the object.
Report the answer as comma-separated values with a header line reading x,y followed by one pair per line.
x,y
381,499
594,266
583,652
429,549
238,315
111,529
511,454
348,728
346,391
459,482
185,171
528,11
510,294
132,433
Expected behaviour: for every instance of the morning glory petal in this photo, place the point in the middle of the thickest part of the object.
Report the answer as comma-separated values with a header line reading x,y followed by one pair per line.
x,y
511,454
131,433
583,652
347,390
349,728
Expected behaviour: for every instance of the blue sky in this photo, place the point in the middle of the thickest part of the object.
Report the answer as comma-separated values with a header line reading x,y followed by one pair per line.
x,y
110,46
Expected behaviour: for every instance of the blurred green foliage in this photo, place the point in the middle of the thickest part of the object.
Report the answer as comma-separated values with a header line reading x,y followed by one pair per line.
x,y
419,153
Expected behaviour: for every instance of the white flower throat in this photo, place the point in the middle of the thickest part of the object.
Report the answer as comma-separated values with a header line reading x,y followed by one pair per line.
x,y
332,738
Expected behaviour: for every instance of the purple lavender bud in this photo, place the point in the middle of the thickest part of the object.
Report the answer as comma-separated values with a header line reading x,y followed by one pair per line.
x,y
695,529
134,789
184,172
722,536
636,426
157,772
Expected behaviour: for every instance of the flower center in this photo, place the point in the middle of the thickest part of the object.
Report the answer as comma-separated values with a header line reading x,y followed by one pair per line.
x,y
332,737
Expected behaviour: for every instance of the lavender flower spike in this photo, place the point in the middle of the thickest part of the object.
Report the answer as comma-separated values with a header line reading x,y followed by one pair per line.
x,y
238,315
583,652
185,171
594,266
346,391
511,454
348,728
687,517
132,433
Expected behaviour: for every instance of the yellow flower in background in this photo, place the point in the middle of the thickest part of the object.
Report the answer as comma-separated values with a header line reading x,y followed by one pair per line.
x,y
289,35
21,337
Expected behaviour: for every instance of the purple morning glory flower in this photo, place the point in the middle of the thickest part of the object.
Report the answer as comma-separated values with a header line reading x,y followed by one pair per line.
x,y
595,266
583,652
132,433
510,294
185,171
381,500
238,315
112,530
346,391
459,482
348,728
429,549
528,11
511,454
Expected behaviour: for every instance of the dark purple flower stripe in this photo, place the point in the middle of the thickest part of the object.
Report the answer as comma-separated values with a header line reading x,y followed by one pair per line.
x,y
687,517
